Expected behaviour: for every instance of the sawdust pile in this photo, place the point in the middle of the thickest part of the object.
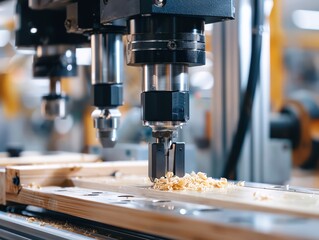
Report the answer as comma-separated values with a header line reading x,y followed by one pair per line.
x,y
63,226
193,181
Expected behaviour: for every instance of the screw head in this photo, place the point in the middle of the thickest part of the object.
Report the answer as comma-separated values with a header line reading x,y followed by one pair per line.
x,y
171,45
159,3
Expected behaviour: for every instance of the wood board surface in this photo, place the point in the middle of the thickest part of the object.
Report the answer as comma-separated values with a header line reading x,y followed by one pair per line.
x,y
235,197
2,186
48,159
105,207
58,174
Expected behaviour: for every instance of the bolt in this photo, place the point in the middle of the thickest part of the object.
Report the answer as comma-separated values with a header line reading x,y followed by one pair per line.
x,y
68,24
171,45
105,2
159,3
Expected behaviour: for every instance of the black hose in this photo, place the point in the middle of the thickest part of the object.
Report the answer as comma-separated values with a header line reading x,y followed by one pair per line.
x,y
247,104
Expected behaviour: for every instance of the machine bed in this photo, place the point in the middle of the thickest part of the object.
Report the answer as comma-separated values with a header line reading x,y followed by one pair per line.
x,y
118,194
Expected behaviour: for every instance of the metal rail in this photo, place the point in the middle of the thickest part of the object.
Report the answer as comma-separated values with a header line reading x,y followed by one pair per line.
x,y
16,226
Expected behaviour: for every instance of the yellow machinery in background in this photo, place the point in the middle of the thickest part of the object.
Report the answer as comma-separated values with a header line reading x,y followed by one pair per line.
x,y
9,95
281,39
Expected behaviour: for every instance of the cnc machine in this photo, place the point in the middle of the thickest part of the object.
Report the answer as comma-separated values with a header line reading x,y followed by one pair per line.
x,y
78,197
164,38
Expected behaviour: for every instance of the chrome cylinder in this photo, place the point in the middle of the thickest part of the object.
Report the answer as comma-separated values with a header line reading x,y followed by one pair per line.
x,y
107,58
165,77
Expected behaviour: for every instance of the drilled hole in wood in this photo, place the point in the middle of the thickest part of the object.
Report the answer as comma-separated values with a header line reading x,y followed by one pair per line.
x,y
126,196
91,194
116,174
122,202
97,192
248,220
60,190
209,210
161,201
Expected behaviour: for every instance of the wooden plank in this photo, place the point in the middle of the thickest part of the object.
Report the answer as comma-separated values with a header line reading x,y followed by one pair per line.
x,y
2,186
104,208
48,159
58,174
235,197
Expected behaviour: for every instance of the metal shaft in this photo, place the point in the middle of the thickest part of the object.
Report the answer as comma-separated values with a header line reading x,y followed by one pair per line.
x,y
107,58
165,77
55,86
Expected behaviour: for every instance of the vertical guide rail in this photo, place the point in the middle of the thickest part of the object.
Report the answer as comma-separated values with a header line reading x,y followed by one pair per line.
x,y
232,50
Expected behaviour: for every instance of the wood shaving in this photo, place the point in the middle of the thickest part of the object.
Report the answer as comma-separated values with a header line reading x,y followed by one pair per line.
x,y
241,184
31,219
34,186
193,181
260,197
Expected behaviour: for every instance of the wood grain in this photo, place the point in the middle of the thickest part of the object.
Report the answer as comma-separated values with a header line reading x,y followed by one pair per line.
x,y
78,202
2,186
235,197
58,174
